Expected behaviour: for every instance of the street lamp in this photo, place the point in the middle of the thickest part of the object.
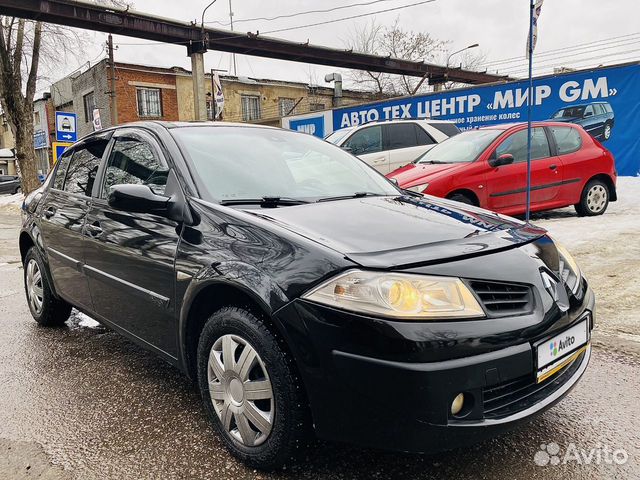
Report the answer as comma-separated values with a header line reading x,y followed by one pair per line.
x,y
446,75
460,51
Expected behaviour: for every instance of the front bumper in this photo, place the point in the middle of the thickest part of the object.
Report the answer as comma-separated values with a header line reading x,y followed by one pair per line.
x,y
362,392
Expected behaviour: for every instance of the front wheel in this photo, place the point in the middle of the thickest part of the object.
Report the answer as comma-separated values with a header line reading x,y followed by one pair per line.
x,y
251,389
46,309
18,190
594,199
462,198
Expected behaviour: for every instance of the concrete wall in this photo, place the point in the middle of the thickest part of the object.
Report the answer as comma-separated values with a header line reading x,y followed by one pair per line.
x,y
270,93
93,81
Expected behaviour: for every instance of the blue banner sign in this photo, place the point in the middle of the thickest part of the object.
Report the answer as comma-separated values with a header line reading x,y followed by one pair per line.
x,y
311,125
604,101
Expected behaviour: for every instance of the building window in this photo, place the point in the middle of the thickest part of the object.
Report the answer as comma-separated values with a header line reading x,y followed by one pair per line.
x,y
314,107
89,105
287,106
149,102
250,107
36,118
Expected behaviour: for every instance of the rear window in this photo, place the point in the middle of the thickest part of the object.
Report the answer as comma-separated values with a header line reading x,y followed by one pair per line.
x,y
567,139
449,129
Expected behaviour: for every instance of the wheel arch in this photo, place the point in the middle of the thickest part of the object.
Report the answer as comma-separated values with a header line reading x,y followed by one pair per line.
x,y
467,193
25,243
207,297
608,181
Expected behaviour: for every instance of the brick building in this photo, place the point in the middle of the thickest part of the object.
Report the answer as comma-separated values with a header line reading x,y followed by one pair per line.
x,y
144,92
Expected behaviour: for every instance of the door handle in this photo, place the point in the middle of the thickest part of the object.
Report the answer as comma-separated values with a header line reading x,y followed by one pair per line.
x,y
94,230
49,212
379,159
553,166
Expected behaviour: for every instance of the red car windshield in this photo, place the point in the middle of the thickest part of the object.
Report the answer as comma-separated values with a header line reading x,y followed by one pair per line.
x,y
463,148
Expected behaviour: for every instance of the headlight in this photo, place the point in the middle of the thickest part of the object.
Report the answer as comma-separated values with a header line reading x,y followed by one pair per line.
x,y
419,188
398,295
569,269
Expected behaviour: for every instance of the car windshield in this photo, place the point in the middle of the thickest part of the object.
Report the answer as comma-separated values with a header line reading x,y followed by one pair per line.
x,y
337,136
570,112
462,148
236,163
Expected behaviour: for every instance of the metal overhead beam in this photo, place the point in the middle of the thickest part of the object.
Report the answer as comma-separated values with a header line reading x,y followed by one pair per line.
x,y
130,23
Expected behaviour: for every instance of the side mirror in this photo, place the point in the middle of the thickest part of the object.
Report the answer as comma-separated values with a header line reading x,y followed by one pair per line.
x,y
504,159
138,199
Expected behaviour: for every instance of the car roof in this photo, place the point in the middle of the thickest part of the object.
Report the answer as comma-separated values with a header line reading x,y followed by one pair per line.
x,y
401,120
509,126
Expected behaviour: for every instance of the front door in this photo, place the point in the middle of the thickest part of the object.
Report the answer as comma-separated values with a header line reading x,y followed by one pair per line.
x,y
129,256
64,210
507,184
367,145
405,142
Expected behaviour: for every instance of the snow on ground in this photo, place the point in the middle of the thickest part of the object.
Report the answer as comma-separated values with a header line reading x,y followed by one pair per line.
x,y
11,202
607,248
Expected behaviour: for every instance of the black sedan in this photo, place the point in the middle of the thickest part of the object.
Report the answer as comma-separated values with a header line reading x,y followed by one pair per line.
x,y
10,184
304,292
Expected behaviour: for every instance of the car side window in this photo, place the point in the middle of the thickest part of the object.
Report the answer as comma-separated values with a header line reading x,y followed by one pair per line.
x,y
401,135
516,145
423,137
134,161
367,140
588,112
567,139
61,170
599,109
83,167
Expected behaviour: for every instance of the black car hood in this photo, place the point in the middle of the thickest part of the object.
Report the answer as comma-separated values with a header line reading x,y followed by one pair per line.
x,y
391,232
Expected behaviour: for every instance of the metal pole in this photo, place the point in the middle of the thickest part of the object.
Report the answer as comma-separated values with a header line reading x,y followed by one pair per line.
x,y
233,55
114,101
529,105
213,97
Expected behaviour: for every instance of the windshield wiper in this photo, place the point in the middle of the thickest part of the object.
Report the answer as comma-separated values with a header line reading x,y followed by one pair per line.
x,y
352,195
264,201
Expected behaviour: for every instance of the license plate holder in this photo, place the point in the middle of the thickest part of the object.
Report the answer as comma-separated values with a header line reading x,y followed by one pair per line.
x,y
555,352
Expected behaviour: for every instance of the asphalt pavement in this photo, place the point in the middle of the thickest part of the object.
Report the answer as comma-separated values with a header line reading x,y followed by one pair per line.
x,y
81,402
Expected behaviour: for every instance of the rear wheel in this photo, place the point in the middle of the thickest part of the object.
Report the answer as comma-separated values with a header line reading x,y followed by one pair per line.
x,y
594,199
251,390
46,309
18,190
606,134
462,198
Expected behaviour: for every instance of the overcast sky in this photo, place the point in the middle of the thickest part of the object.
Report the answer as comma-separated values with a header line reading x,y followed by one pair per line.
x,y
499,26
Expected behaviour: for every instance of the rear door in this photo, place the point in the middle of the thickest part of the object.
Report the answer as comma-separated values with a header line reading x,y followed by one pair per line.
x,y
507,184
62,217
405,142
568,144
130,256
590,121
366,144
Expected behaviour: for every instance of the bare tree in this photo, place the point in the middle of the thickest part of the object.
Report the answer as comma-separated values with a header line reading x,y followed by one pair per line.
x,y
26,48
394,42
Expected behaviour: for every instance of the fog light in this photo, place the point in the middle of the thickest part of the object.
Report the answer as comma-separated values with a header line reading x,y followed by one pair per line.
x,y
457,404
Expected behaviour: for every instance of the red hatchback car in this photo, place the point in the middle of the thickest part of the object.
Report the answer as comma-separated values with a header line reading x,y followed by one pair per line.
x,y
488,166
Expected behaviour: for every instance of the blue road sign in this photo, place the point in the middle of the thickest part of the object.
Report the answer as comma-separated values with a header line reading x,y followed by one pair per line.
x,y
66,127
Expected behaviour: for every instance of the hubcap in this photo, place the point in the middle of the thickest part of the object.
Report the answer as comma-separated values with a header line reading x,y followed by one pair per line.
x,y
597,198
240,390
34,286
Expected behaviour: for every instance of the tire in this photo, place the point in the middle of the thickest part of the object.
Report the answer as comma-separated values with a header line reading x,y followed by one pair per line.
x,y
45,308
462,198
18,190
594,199
284,425
606,133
